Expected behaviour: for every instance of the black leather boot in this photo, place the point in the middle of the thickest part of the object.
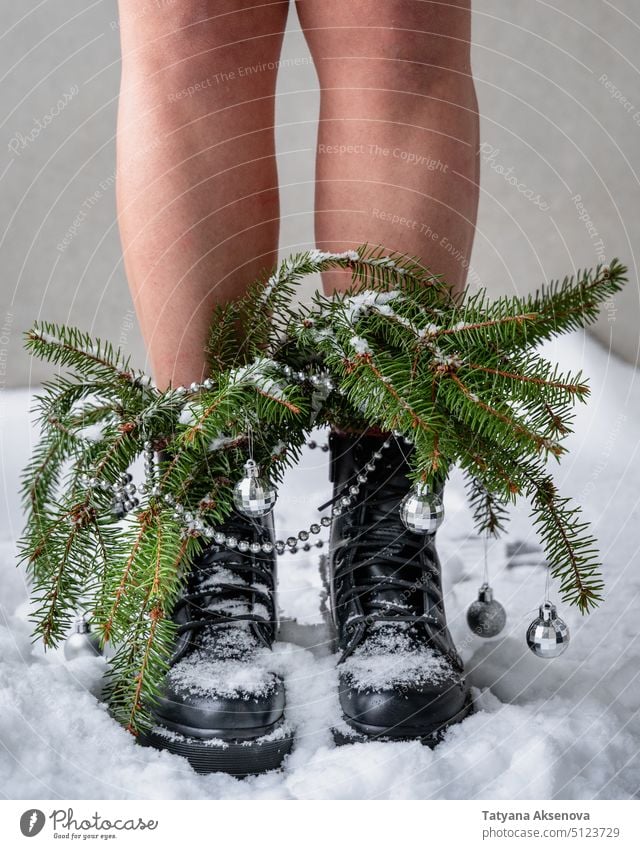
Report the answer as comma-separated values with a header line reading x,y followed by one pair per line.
x,y
400,674
222,704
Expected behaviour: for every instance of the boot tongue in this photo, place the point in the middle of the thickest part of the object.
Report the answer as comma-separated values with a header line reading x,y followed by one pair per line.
x,y
386,547
399,598
217,576
391,557
391,554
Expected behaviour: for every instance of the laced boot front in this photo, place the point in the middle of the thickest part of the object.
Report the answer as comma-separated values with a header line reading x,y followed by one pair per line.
x,y
222,704
400,674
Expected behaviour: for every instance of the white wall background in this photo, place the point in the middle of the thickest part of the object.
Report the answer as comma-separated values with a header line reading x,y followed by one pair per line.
x,y
549,120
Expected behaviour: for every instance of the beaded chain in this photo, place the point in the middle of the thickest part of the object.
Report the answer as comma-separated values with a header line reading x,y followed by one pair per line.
x,y
125,500
125,491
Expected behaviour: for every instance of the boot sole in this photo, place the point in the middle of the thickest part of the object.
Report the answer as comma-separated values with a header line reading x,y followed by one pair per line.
x,y
359,732
239,758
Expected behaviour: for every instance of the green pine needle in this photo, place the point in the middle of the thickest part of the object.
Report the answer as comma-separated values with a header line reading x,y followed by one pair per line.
x,y
460,375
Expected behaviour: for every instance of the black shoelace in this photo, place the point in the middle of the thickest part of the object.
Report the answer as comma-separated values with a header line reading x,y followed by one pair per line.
x,y
388,571
385,560
256,574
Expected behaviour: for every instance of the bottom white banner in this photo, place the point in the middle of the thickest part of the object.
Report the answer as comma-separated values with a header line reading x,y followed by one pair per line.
x,y
263,824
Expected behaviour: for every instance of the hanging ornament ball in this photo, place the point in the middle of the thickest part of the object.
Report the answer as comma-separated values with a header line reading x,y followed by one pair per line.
x,y
254,496
548,636
486,617
82,642
422,510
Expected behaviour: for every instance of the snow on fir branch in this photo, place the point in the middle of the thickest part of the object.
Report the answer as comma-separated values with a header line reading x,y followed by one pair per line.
x,y
458,374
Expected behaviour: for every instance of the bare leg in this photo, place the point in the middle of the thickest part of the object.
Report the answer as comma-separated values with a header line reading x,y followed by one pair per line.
x,y
397,161
197,181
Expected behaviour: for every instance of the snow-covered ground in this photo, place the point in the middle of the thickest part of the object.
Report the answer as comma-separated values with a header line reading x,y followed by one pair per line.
x,y
567,728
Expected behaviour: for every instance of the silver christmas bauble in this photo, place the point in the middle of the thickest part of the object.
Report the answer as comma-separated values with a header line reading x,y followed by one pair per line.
x,y
422,510
82,642
548,636
486,617
254,496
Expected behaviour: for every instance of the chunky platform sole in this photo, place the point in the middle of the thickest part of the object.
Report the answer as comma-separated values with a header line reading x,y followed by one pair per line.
x,y
359,732
239,758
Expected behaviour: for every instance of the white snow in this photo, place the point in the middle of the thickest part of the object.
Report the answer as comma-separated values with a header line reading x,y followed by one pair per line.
x,y
260,374
230,661
92,433
360,345
389,658
288,266
316,255
567,728
428,330
364,301
270,285
380,302
190,414
240,668
221,441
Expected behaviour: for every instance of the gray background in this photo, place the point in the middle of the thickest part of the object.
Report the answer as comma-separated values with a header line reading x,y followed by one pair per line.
x,y
546,114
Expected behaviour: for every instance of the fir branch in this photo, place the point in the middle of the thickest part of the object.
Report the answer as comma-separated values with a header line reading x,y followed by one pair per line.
x,y
569,385
571,550
457,374
68,346
574,303
517,429
489,513
146,643
223,347
108,625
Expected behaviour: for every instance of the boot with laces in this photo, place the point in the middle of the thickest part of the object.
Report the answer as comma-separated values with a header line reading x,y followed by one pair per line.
x,y
400,674
222,703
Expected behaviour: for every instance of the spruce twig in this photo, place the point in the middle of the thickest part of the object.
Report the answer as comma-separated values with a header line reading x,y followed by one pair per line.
x,y
459,375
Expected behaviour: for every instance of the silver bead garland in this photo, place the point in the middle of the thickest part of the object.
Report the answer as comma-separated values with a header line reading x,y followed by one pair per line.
x,y
320,381
149,466
193,522
547,636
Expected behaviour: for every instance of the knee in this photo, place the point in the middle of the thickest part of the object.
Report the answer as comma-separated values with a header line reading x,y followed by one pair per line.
x,y
403,46
161,33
